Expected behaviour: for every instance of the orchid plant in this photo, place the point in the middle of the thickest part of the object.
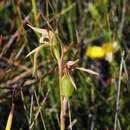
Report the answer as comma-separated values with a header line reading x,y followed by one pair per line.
x,y
67,85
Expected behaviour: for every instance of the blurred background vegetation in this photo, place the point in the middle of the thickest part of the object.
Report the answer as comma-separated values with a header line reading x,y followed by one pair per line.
x,y
80,24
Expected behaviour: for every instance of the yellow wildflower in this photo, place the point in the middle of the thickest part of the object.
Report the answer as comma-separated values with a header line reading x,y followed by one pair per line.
x,y
95,52
103,51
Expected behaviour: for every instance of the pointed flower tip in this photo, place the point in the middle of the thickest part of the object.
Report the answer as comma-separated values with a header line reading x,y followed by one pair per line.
x,y
39,30
88,71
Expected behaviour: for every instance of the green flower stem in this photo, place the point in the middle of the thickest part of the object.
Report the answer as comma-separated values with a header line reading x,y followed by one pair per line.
x,y
35,12
62,117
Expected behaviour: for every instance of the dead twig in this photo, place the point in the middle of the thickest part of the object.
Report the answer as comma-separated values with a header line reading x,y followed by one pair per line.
x,y
14,36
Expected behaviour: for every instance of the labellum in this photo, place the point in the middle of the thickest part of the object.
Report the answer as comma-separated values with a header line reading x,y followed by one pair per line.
x,y
67,86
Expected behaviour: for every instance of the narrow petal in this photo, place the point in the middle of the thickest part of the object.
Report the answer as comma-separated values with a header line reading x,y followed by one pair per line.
x,y
87,70
36,49
72,81
39,30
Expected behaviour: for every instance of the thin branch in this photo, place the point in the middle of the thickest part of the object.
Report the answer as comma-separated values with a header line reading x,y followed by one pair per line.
x,y
31,108
14,36
70,118
122,20
40,106
118,92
